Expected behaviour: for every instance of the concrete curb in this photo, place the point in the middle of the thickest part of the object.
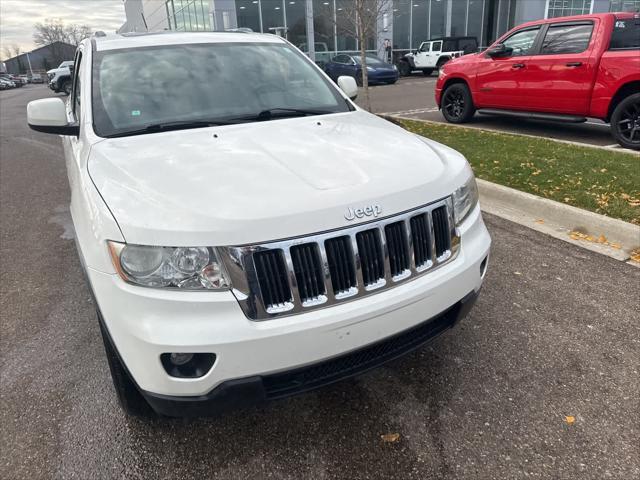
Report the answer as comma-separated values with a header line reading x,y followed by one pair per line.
x,y
559,220
394,119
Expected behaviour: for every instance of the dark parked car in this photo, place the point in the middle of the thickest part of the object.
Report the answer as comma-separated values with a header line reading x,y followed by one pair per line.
x,y
349,65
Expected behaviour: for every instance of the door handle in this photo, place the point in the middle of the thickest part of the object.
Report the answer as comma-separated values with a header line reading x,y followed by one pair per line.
x,y
517,65
574,64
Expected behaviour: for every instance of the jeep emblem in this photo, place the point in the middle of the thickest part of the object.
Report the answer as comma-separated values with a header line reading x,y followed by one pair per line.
x,y
368,211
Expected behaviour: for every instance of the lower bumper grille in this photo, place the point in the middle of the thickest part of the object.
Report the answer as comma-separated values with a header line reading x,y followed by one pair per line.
x,y
293,276
313,376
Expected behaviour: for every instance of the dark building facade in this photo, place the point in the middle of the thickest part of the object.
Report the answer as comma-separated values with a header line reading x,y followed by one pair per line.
x,y
43,58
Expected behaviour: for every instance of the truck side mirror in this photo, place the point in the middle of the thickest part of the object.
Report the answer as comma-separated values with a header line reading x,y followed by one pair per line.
x,y
499,50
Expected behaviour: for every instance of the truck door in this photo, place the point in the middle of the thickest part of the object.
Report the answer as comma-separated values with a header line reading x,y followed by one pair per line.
x,y
499,79
561,72
421,58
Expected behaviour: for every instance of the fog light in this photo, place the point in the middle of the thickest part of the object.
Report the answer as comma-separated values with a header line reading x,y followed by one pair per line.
x,y
187,365
180,358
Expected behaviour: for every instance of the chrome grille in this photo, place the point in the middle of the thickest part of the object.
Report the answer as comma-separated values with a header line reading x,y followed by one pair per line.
x,y
294,276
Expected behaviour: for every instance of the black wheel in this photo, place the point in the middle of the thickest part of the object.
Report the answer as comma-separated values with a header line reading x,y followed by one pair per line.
x,y
427,71
625,122
129,397
404,68
66,87
441,62
457,104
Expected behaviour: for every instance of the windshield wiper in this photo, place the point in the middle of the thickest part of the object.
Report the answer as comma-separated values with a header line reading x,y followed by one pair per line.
x,y
272,113
168,126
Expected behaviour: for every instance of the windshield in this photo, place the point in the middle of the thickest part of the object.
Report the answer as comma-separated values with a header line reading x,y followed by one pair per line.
x,y
212,83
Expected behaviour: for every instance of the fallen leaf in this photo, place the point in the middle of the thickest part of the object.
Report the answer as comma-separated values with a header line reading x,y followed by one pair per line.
x,y
540,221
570,420
390,437
603,170
517,273
602,239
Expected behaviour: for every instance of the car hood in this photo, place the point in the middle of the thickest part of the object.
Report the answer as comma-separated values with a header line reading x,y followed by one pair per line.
x,y
257,182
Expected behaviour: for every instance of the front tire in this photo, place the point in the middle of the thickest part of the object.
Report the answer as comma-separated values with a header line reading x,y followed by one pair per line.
x,y
404,68
66,87
129,397
457,104
625,122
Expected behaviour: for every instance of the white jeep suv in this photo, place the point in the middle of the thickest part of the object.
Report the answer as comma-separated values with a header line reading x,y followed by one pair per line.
x,y
247,231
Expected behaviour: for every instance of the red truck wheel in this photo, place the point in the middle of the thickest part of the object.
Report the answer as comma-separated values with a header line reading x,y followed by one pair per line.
x,y
625,122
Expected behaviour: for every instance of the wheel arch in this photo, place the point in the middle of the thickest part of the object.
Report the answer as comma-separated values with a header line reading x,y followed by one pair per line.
x,y
623,92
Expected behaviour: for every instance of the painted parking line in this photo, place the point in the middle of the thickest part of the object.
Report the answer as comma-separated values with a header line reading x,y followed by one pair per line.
x,y
415,111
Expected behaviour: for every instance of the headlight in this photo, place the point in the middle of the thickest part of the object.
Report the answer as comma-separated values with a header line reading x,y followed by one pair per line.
x,y
465,199
395,67
186,268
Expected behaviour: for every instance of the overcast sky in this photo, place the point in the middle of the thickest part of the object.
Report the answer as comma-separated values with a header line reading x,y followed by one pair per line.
x,y
18,16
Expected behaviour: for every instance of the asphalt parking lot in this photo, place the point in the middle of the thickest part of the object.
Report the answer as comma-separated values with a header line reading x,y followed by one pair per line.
x,y
413,97
555,334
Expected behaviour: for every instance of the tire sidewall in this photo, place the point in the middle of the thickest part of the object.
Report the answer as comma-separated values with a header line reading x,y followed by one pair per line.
x,y
617,112
469,108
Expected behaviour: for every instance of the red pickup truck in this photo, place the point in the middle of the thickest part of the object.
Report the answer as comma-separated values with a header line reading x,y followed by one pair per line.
x,y
560,69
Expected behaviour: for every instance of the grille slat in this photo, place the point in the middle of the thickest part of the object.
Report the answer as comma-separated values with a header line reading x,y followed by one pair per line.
x,y
272,278
292,276
421,241
341,268
397,247
371,256
441,230
307,267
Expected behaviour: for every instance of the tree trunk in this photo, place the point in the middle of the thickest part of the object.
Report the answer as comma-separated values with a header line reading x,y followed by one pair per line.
x,y
362,37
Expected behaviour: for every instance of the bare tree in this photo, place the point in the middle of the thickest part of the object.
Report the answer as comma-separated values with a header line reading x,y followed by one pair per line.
x,y
77,33
55,30
50,31
362,20
10,51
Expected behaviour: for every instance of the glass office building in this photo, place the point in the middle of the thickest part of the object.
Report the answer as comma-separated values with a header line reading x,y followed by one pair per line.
x,y
321,27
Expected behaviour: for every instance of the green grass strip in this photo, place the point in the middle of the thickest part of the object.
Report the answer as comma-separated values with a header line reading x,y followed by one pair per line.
x,y
593,179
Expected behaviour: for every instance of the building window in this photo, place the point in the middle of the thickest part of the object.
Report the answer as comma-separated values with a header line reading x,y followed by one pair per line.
x,y
188,15
401,24
624,6
296,23
564,8
324,29
272,16
419,23
345,27
437,19
248,14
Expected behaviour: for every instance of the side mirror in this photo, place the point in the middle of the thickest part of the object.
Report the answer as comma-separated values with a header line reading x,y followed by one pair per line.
x,y
49,115
499,50
348,86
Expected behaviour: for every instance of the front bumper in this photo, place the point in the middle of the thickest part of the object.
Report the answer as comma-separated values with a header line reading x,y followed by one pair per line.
x,y
256,390
145,323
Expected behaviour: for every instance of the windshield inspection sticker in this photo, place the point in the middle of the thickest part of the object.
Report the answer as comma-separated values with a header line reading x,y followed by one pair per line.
x,y
135,113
